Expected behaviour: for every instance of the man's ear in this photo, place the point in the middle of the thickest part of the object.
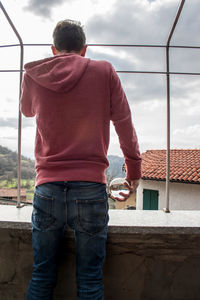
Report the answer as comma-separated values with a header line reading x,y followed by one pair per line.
x,y
53,49
83,50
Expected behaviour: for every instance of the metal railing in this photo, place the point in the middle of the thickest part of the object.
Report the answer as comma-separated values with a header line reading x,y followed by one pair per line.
x,y
167,73
19,112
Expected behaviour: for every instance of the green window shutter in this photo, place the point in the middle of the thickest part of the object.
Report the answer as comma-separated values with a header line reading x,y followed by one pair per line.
x,y
154,200
150,199
146,200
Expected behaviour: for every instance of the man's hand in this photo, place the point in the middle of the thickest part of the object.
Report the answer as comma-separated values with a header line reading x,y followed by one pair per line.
x,y
132,186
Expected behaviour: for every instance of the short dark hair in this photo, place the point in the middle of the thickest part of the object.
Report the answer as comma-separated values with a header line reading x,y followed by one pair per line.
x,y
69,36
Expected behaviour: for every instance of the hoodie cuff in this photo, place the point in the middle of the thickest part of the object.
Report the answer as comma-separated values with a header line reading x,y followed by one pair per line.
x,y
133,170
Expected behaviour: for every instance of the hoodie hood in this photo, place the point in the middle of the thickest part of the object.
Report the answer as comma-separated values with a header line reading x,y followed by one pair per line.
x,y
59,73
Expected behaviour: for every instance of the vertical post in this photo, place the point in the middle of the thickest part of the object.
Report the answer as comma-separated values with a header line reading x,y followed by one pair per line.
x,y
166,209
19,112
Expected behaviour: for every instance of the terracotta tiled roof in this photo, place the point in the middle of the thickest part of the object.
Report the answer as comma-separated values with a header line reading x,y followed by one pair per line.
x,y
11,192
184,165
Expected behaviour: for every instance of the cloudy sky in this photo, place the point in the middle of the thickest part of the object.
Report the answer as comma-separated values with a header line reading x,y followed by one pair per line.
x,y
116,22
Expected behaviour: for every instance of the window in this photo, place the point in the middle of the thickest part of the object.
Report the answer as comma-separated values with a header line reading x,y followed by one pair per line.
x,y
150,199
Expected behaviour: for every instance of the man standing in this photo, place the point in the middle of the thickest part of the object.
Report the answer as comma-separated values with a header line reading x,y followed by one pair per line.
x,y
74,99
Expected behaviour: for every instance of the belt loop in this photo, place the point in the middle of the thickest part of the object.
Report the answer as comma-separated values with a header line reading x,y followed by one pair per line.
x,y
65,185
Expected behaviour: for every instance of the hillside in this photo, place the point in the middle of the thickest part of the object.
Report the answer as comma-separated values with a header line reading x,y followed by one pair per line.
x,y
8,170
8,165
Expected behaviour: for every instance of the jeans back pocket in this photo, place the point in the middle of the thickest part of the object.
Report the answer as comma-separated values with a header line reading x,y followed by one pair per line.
x,y
92,214
42,216
92,208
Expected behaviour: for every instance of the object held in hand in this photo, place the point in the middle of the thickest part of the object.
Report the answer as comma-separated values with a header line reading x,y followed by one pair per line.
x,y
119,189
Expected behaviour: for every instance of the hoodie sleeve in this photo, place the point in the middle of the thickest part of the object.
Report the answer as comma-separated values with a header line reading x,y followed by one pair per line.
x,y
121,118
26,101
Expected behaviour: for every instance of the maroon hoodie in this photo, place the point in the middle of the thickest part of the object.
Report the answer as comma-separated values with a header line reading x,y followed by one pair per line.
x,y
74,98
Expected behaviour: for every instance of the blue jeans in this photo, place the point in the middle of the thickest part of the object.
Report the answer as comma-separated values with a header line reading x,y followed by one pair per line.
x,y
84,207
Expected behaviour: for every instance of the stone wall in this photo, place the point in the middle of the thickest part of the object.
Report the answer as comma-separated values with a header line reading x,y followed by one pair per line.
x,y
138,266
143,263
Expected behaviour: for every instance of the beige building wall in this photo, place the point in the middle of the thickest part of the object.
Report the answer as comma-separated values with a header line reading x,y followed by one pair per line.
x,y
131,201
182,196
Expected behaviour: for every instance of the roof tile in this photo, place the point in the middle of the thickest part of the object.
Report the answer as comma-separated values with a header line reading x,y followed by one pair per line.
x,y
184,165
6,192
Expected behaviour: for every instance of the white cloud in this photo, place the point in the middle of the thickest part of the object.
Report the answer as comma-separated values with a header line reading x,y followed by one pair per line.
x,y
8,138
13,122
43,7
186,136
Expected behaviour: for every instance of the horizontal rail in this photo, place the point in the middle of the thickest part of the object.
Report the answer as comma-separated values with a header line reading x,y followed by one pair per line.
x,y
162,73
130,72
109,45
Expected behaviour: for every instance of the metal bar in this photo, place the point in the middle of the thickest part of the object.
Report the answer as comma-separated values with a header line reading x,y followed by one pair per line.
x,y
19,112
131,72
166,209
160,72
111,45
90,45
9,45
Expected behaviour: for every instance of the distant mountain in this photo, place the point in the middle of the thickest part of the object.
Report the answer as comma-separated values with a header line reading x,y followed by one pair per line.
x,y
115,167
8,165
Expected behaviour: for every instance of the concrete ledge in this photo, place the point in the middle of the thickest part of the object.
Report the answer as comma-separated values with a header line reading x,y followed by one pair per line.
x,y
121,221
151,255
